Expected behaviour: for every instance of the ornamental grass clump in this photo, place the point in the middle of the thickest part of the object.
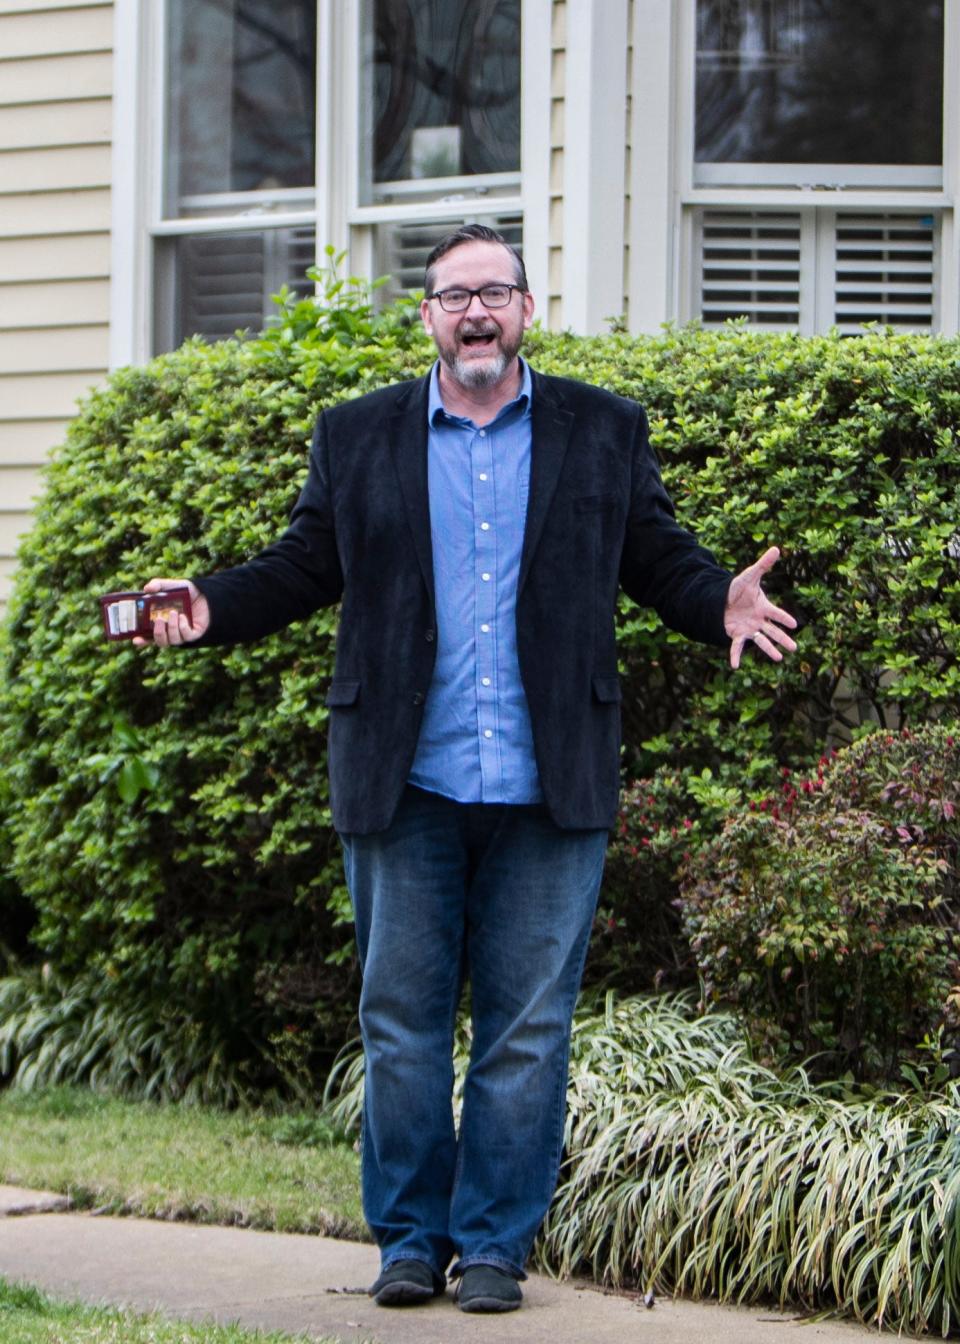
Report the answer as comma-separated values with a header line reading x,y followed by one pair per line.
x,y
829,915
692,1169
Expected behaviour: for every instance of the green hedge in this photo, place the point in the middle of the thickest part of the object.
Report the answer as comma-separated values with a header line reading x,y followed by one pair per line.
x,y
166,815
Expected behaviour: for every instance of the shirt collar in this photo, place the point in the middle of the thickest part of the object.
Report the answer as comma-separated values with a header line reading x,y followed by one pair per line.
x,y
436,413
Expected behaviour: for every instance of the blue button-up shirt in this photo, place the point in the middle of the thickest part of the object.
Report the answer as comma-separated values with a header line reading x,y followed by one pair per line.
x,y
476,743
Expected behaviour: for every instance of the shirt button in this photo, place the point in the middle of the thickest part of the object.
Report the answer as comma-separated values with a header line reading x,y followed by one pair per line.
x,y
429,636
485,680
418,697
487,732
484,527
485,629
483,433
483,475
485,577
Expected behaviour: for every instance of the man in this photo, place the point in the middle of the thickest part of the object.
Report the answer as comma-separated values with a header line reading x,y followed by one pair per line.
x,y
476,525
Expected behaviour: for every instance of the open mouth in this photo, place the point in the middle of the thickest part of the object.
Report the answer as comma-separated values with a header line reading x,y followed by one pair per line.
x,y
479,340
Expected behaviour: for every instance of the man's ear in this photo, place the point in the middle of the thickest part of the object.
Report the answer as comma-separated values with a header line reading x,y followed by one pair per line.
x,y
528,307
425,316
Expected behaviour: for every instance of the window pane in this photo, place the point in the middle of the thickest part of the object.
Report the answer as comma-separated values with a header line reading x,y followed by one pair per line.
x,y
819,81
221,283
240,96
441,86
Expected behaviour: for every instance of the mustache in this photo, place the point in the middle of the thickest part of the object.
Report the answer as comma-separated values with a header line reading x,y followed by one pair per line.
x,y
474,326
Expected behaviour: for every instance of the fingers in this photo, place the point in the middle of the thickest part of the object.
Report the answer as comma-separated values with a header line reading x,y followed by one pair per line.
x,y
755,572
781,617
736,649
767,639
176,629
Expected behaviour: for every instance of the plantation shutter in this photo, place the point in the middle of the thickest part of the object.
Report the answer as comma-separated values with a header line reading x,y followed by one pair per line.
x,y
884,271
749,266
403,249
809,270
226,280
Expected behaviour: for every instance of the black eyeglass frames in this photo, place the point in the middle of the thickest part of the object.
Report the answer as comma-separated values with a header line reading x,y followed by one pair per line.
x,y
491,296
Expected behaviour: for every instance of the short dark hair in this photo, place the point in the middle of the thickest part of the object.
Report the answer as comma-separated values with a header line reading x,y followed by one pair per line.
x,y
473,233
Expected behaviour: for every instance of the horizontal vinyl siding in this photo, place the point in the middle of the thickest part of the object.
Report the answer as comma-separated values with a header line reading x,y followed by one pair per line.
x,y
55,130
27,442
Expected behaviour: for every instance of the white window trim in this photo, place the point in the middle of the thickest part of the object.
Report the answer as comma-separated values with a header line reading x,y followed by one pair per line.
x,y
594,170
133,152
826,176
655,243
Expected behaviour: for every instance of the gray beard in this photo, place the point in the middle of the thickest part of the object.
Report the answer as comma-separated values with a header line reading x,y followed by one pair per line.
x,y
470,373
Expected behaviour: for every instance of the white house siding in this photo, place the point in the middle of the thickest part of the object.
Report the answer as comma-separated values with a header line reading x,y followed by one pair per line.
x,y
55,128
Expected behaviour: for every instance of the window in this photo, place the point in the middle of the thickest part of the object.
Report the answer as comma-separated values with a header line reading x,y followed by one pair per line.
x,y
290,124
812,164
440,98
239,147
802,92
241,101
439,119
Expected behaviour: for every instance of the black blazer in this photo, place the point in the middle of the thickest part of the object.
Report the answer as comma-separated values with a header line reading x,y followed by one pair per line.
x,y
598,518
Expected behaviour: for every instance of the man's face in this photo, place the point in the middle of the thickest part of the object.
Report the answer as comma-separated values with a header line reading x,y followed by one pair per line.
x,y
478,345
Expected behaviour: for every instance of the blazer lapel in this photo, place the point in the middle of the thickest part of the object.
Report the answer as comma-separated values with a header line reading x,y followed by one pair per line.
x,y
551,429
408,443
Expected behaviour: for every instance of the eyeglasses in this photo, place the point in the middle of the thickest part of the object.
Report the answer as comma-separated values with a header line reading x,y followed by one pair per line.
x,y
491,296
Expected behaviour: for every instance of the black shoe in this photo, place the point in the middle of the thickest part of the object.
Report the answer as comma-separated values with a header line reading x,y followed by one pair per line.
x,y
486,1288
406,1283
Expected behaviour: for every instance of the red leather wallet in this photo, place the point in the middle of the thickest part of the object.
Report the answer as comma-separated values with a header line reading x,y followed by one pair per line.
x,y
129,614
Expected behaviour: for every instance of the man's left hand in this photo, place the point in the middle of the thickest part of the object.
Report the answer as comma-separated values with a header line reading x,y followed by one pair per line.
x,y
750,615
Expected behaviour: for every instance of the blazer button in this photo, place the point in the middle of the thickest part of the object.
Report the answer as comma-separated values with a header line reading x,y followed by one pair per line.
x,y
430,636
418,697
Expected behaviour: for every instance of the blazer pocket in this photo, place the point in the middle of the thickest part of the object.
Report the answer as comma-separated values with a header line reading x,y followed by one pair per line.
x,y
607,690
593,503
342,692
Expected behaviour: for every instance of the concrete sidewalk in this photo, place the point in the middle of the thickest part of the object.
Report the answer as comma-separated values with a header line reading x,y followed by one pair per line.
x,y
318,1286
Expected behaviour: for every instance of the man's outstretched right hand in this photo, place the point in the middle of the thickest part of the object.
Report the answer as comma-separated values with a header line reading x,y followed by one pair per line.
x,y
176,629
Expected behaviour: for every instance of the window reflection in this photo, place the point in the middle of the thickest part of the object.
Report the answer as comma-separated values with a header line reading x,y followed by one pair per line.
x,y
241,101
442,90
819,81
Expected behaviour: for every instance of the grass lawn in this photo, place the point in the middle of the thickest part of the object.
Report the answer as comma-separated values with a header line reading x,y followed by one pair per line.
x,y
284,1172
30,1317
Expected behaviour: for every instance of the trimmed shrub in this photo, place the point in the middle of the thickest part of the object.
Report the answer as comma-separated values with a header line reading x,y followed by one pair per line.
x,y
167,814
829,914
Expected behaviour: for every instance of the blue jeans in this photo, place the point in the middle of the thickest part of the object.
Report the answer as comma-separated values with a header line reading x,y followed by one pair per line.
x,y
502,896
